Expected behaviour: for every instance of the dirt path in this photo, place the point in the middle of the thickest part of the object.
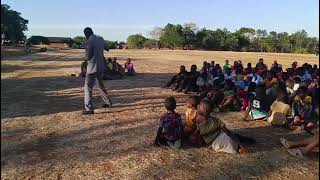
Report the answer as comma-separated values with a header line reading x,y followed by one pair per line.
x,y
44,135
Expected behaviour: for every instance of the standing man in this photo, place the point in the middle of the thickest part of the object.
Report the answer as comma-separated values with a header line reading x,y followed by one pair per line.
x,y
95,68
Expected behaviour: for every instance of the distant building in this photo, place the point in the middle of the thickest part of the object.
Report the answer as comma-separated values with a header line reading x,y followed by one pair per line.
x,y
59,42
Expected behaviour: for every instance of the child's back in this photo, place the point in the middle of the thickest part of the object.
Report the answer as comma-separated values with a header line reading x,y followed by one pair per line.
x,y
279,113
171,127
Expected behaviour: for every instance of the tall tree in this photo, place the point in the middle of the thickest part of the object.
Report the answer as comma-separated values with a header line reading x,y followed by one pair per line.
x,y
12,24
173,36
135,41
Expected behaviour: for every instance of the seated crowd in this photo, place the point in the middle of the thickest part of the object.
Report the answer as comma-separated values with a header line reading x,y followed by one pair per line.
x,y
287,98
113,70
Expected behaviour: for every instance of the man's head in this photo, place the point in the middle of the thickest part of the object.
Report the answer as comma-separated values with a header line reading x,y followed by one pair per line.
x,y
249,65
275,62
193,68
114,59
212,63
204,108
88,32
170,104
227,61
182,68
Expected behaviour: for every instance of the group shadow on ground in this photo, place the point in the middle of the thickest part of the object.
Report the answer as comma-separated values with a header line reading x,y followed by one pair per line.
x,y
45,95
126,137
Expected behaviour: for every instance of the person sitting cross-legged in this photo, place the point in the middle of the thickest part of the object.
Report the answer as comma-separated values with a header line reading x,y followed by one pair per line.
x,y
128,66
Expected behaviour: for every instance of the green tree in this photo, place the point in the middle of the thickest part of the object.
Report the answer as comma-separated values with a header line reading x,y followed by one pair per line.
x,y
231,42
135,41
150,43
189,35
80,40
283,42
172,36
12,24
111,44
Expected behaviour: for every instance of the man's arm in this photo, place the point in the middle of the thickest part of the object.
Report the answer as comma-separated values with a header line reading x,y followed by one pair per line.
x,y
89,51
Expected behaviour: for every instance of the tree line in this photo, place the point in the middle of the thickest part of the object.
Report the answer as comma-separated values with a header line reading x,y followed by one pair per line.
x,y
189,36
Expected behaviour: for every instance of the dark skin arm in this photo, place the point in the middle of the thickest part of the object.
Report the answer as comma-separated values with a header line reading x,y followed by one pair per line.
x,y
157,140
246,113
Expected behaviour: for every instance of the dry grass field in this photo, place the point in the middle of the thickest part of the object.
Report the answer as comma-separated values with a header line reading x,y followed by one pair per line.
x,y
44,135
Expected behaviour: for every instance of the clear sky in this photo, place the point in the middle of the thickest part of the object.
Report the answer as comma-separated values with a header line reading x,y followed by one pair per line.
x,y
116,19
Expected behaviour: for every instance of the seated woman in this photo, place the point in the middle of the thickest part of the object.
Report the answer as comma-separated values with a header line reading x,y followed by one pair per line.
x,y
128,66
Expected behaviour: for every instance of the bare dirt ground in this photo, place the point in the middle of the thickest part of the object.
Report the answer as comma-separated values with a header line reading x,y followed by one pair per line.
x,y
44,135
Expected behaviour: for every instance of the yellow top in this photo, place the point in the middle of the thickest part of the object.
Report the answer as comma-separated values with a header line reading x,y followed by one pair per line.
x,y
190,117
307,99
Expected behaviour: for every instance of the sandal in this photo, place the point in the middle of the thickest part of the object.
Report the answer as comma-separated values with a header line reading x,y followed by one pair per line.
x,y
284,142
295,152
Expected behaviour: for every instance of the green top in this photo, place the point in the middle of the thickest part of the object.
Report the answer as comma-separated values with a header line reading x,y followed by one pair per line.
x,y
211,129
226,66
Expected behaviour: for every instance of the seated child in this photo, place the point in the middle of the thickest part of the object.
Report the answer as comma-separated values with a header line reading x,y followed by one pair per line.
x,y
279,110
301,106
128,66
257,108
109,66
212,131
190,119
171,127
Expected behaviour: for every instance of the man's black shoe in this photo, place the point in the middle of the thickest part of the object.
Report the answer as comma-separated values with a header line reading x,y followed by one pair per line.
x,y
87,112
